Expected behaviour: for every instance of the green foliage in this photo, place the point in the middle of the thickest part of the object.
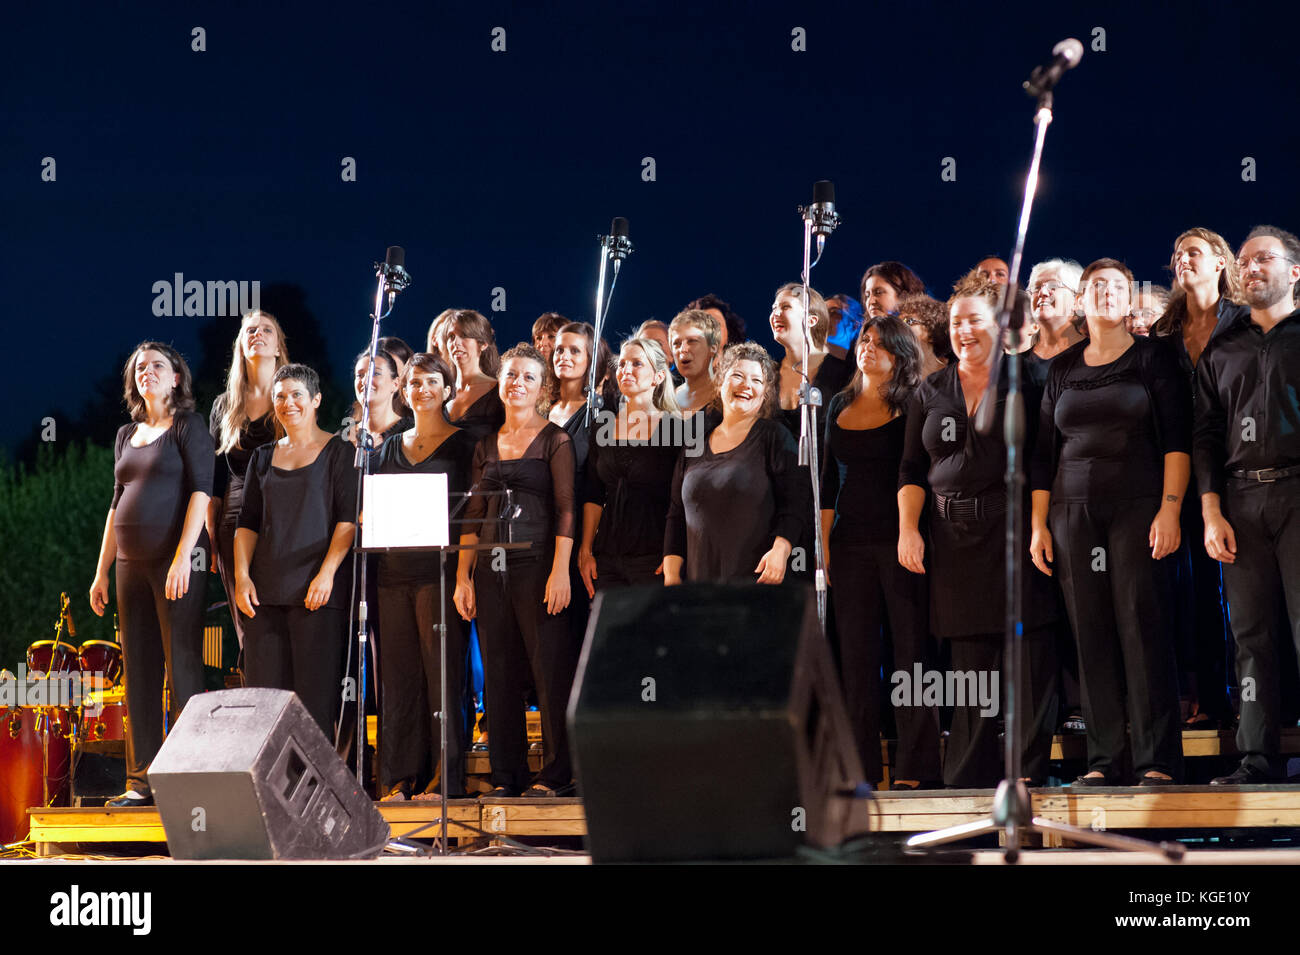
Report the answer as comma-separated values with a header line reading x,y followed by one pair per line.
x,y
51,523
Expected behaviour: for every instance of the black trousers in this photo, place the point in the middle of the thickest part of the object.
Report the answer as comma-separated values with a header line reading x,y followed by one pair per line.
x,y
1202,619
518,635
157,634
870,588
225,557
974,756
293,648
1118,600
617,571
410,669
1265,518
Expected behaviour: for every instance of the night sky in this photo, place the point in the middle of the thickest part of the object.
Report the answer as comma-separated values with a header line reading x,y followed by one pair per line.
x,y
499,169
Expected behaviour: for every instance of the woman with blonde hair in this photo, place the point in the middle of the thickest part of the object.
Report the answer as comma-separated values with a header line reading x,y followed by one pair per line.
x,y
630,474
696,340
241,421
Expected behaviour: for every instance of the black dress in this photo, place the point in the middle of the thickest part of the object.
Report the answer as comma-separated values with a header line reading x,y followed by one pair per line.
x,y
228,488
728,507
410,663
510,586
152,487
631,481
1104,433
870,589
485,416
294,513
963,473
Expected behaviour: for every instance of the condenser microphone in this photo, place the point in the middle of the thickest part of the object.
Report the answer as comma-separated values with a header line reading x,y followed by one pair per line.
x,y
617,244
821,214
393,269
1065,56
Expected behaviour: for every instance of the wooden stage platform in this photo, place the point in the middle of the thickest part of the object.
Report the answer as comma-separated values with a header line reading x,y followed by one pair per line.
x,y
1270,811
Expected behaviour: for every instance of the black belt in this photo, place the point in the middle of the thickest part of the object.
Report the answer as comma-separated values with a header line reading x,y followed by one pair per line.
x,y
1268,475
969,508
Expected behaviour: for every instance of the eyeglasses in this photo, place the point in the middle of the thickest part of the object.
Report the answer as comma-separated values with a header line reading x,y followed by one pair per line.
x,y
911,321
1261,259
1145,314
1051,288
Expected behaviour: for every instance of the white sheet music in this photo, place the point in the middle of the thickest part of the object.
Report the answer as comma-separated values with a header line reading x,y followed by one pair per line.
x,y
404,510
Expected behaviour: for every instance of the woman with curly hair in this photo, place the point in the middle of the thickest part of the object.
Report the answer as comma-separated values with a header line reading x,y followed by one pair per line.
x,y
738,508
162,472
927,320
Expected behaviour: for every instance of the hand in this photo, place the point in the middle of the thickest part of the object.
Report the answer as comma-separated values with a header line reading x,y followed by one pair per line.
x,y
319,590
1040,549
246,597
1220,541
99,595
911,551
771,566
671,579
557,591
587,571
659,571
178,578
1165,534
463,599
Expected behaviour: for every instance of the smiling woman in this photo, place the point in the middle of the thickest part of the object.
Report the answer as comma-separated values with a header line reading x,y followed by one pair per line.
x,y
738,509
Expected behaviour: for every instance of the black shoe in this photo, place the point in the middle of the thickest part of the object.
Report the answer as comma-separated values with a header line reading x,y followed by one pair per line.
x,y
501,792
130,799
1156,781
1243,775
1092,781
542,791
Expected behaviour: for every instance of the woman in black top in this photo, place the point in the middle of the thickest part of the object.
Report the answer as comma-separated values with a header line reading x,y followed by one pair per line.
x,y
960,474
162,474
1109,476
475,406
292,547
523,477
1207,285
410,662
571,358
738,508
240,422
388,413
630,474
864,444
825,371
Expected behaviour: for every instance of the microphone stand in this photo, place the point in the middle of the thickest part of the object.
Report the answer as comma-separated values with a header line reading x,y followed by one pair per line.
x,y
392,278
810,398
1012,812
614,247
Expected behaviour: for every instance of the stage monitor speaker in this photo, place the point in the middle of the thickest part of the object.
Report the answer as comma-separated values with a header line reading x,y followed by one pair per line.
x,y
247,774
707,723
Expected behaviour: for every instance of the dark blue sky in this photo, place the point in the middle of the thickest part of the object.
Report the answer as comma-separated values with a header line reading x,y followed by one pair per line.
x,y
498,169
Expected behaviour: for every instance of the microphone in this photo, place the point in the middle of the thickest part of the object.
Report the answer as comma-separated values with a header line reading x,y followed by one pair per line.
x,y
617,245
1065,56
67,615
822,212
393,270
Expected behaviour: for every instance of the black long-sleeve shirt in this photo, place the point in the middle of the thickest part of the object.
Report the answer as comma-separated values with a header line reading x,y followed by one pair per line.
x,y
1104,430
728,507
542,488
294,513
152,486
860,478
1247,401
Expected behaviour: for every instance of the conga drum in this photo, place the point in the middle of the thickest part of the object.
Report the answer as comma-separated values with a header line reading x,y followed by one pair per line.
x,y
101,663
51,656
35,764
